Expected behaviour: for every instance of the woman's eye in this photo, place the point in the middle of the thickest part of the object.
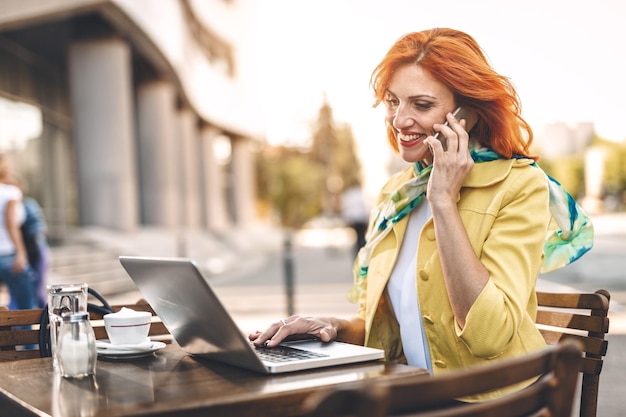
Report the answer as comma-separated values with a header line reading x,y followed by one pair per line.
x,y
422,106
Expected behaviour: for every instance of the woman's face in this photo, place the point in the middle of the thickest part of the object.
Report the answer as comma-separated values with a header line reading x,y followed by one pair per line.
x,y
414,103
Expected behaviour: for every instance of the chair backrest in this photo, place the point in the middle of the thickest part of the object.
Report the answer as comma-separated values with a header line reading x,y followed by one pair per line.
x,y
552,394
20,329
583,317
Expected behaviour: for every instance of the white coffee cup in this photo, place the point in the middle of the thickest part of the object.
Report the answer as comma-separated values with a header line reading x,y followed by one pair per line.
x,y
127,326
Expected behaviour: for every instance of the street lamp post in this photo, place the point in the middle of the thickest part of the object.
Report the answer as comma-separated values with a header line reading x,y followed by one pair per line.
x,y
288,271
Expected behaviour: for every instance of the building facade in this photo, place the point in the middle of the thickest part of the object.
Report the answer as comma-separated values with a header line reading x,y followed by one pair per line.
x,y
119,113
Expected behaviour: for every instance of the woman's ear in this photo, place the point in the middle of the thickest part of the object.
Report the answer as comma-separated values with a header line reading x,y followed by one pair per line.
x,y
471,118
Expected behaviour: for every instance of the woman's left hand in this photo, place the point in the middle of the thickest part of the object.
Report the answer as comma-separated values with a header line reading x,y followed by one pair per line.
x,y
450,167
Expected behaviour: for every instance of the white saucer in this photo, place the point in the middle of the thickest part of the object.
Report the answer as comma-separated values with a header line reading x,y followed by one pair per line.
x,y
129,352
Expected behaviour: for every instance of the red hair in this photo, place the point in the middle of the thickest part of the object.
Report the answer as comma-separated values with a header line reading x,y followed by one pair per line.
x,y
456,60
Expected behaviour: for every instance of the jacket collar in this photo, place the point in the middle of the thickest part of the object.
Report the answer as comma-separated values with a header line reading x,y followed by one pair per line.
x,y
485,174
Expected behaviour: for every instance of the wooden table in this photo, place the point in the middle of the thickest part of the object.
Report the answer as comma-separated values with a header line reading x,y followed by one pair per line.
x,y
170,383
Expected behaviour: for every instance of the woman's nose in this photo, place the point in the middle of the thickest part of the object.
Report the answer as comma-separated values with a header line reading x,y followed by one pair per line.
x,y
403,118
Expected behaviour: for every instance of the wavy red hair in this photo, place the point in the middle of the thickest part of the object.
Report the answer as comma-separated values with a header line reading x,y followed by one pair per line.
x,y
455,59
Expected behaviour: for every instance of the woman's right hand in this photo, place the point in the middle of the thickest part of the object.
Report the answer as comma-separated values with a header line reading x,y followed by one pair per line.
x,y
323,328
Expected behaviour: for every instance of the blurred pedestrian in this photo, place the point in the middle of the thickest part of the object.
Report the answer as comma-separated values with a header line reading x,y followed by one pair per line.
x,y
34,236
15,270
355,213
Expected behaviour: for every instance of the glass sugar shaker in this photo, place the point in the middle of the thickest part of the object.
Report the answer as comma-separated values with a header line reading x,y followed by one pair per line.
x,y
76,346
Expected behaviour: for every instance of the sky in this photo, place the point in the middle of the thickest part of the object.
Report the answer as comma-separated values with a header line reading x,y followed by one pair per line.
x,y
565,57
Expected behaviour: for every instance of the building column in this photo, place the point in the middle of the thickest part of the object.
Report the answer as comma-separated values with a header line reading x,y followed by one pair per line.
x,y
102,108
158,154
58,184
190,172
243,182
214,205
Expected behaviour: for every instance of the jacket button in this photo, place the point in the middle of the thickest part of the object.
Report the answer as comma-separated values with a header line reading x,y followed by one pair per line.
x,y
428,320
430,234
423,275
441,364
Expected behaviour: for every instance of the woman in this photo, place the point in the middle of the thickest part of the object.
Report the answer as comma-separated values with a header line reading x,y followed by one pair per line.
x,y
33,232
447,277
14,268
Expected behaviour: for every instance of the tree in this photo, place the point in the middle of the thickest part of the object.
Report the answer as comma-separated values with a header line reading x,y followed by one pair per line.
x,y
290,184
299,184
334,150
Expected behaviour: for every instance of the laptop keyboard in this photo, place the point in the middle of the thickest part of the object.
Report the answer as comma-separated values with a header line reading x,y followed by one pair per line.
x,y
286,354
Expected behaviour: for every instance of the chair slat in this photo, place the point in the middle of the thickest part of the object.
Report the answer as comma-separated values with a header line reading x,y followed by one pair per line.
x,y
100,332
19,337
19,317
591,366
573,321
573,300
593,345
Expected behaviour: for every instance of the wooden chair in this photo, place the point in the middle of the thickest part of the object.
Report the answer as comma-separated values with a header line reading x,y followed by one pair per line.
x,y
583,317
552,394
13,340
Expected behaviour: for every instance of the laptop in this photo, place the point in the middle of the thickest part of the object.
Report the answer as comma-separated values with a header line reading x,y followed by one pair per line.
x,y
182,298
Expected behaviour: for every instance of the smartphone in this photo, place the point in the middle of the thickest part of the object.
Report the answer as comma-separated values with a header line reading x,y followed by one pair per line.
x,y
459,113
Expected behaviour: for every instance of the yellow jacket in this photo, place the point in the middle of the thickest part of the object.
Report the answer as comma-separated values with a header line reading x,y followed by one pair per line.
x,y
504,205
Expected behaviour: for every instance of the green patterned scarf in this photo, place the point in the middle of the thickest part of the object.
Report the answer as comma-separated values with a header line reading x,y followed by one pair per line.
x,y
561,247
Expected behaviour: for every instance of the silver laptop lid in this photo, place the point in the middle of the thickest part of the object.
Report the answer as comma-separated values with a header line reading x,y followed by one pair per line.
x,y
188,307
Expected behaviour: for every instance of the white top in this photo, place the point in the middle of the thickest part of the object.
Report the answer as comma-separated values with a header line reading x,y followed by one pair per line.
x,y
402,289
9,193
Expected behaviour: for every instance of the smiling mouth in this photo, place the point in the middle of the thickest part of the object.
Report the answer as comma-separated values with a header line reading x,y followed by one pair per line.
x,y
410,139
